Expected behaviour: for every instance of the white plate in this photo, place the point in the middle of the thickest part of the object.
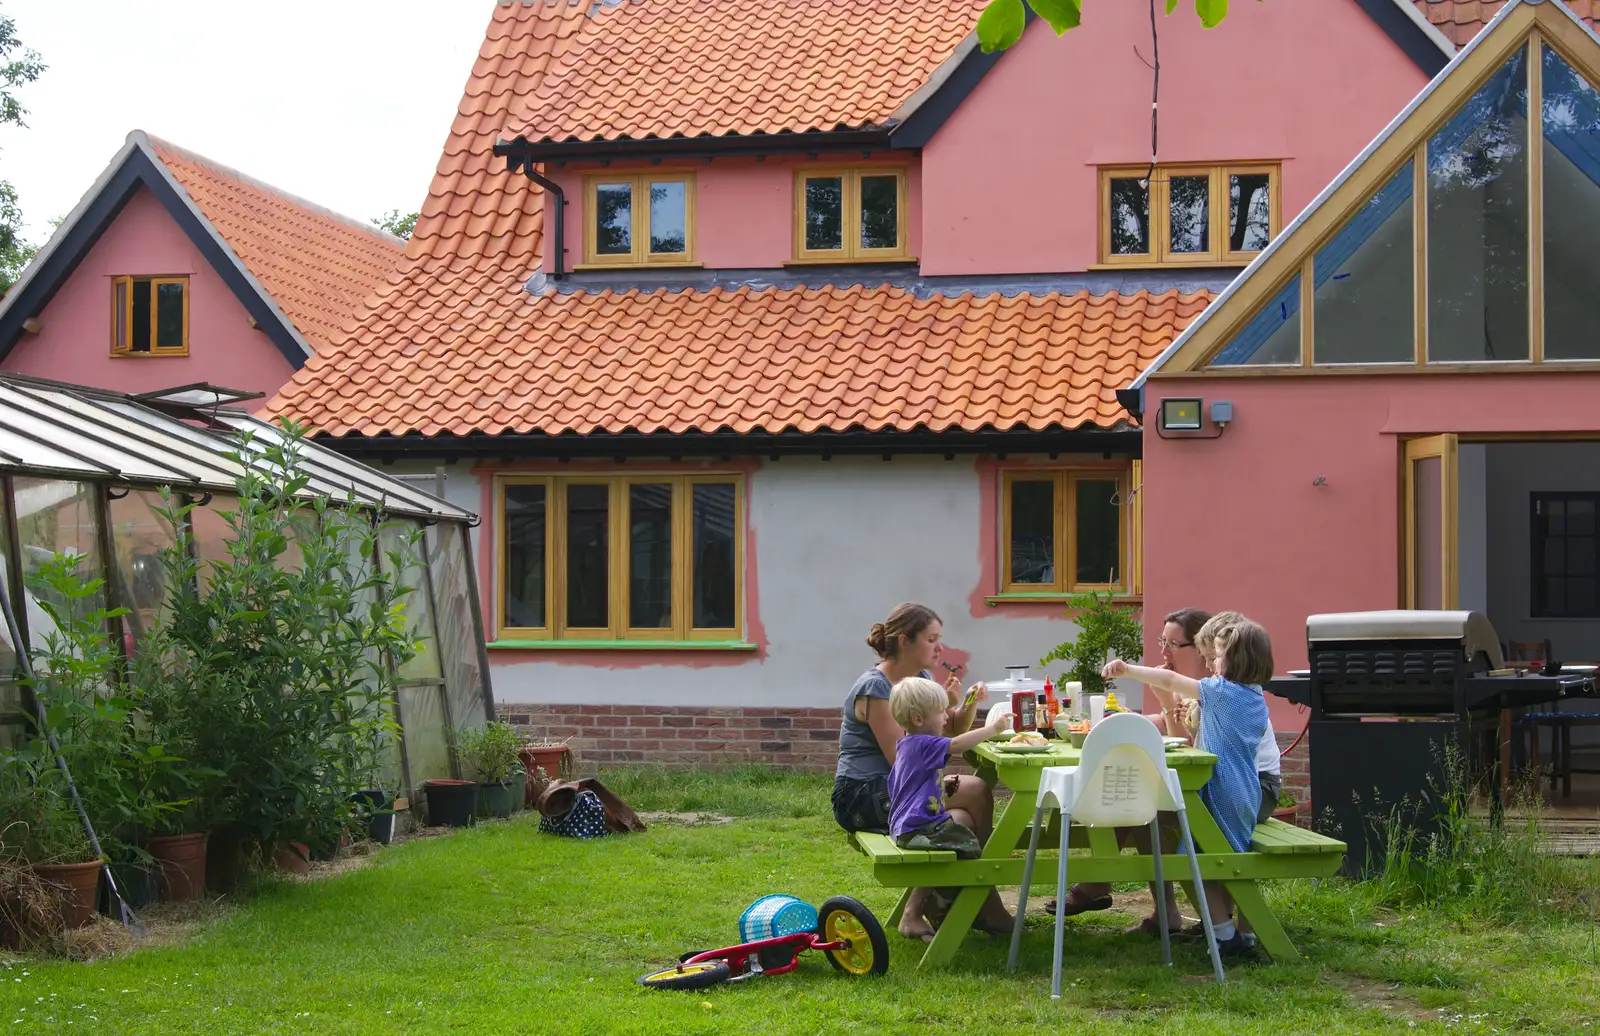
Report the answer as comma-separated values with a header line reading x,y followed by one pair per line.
x,y
1174,742
1299,672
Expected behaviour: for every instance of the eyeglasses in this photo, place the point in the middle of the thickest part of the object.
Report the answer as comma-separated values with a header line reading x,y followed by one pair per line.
x,y
1164,642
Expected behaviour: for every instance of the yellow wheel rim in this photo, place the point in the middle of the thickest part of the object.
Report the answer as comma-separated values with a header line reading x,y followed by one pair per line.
x,y
687,969
855,956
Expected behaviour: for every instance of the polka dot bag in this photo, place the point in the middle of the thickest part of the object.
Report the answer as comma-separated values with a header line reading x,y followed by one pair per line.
x,y
586,818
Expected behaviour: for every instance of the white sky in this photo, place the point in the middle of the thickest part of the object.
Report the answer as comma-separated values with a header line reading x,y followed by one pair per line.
x,y
343,102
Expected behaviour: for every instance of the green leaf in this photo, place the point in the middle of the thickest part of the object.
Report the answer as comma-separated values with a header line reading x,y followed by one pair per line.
x,y
1211,12
1061,14
1172,5
1000,25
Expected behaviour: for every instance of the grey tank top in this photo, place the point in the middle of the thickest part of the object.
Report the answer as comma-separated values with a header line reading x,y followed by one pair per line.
x,y
860,758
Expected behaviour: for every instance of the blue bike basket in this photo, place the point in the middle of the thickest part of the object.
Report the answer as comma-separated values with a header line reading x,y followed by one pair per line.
x,y
772,916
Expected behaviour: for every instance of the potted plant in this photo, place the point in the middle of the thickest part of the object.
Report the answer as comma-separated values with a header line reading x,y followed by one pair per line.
x,y
55,874
554,757
1104,629
1289,808
492,756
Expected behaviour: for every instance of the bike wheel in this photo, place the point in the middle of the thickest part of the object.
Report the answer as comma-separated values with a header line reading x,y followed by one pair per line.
x,y
687,976
866,950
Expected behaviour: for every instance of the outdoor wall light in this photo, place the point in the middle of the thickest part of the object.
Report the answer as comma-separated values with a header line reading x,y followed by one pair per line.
x,y
1221,411
1180,415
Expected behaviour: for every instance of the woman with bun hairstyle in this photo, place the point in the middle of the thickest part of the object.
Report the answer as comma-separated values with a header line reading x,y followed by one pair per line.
x,y
907,643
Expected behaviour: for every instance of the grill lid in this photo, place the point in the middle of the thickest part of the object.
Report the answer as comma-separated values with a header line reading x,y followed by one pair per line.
x,y
1471,629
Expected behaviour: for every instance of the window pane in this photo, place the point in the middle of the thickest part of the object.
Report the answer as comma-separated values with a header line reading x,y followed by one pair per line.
x,y
119,314
715,553
588,575
1272,336
1478,225
55,517
650,556
824,213
1130,216
1572,212
669,218
1099,532
1580,517
1189,206
1249,211
169,316
613,218
141,317
1033,531
525,556
880,212
1427,530
1363,307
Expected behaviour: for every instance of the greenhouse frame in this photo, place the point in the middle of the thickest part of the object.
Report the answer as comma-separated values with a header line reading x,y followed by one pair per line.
x,y
81,470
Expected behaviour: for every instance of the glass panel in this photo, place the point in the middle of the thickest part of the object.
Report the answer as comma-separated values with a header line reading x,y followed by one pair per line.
x,y
669,218
1365,287
404,539
169,315
427,750
1033,531
1580,514
1427,532
55,517
459,635
1099,532
588,573
1478,225
119,314
10,687
1189,209
650,556
1572,212
141,317
1249,211
613,219
138,536
1130,216
824,213
525,557
880,212
716,552
1271,337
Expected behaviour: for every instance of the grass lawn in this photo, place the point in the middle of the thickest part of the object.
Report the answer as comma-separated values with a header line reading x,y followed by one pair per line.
x,y
502,930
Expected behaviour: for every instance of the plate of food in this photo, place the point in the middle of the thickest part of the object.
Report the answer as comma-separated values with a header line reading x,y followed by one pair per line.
x,y
1174,742
1027,741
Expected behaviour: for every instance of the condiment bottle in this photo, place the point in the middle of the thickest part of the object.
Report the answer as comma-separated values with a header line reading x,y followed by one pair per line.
x,y
1052,707
1072,691
1024,707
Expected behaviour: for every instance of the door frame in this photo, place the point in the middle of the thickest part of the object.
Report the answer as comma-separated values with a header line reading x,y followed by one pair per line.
x,y
1445,447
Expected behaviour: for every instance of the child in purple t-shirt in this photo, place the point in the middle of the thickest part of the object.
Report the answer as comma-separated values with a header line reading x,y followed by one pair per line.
x,y
917,817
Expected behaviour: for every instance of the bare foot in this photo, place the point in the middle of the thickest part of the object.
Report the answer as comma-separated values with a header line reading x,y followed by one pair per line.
x,y
916,928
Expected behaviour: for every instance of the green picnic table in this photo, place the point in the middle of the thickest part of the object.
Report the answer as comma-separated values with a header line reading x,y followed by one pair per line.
x,y
1278,850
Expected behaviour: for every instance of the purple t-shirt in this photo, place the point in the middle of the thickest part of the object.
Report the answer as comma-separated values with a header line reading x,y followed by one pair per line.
x,y
914,788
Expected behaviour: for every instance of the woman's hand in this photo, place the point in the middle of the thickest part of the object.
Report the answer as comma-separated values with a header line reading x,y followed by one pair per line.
x,y
976,693
952,690
1113,669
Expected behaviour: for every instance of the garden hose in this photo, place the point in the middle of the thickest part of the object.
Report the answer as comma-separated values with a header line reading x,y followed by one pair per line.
x,y
129,919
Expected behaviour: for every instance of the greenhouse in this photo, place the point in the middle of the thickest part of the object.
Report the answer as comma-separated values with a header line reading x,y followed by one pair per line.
x,y
82,473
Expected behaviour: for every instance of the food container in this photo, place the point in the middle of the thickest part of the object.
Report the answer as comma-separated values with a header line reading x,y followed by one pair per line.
x,y
1024,711
1097,709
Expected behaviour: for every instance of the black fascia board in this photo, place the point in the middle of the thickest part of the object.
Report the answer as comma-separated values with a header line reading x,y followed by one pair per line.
x,y
1421,48
704,147
920,126
139,170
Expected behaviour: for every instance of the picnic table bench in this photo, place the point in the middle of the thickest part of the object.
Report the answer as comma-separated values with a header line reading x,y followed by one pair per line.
x,y
1277,850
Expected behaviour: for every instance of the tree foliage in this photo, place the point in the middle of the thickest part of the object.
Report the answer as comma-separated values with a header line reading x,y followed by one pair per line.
x,y
400,225
18,66
1002,21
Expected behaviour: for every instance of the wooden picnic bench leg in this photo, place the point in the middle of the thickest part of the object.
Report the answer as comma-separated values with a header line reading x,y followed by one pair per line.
x,y
954,928
899,909
1208,838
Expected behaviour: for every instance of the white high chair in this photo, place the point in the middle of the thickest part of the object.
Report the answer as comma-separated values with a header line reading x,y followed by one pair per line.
x,y
1122,781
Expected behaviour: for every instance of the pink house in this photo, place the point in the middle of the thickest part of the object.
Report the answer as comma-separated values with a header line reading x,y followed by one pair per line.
x,y
174,270
737,338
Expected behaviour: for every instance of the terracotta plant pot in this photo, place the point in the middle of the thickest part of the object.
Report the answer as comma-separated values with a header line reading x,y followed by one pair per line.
x,y
82,883
182,859
556,760
1290,814
294,857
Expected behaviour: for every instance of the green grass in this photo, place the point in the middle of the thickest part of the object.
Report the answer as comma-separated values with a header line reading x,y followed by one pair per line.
x,y
502,930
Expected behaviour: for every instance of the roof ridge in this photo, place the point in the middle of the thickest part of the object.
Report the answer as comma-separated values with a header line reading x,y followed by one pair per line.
x,y
191,155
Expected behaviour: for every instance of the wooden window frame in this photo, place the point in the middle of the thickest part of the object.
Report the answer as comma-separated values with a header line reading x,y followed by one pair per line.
x,y
852,252
1160,222
122,323
617,534
1065,530
639,184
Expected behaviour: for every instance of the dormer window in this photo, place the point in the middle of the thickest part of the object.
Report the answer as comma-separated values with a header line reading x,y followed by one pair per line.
x,y
150,316
639,220
1220,215
850,215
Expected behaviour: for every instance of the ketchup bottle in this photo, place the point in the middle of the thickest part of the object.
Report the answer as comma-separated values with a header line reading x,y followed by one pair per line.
x,y
1052,707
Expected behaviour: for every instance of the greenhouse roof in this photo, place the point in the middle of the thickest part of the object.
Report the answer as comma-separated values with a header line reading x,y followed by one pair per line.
x,y
186,440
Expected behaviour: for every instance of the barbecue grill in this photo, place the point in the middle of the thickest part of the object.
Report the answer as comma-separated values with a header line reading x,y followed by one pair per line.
x,y
1393,696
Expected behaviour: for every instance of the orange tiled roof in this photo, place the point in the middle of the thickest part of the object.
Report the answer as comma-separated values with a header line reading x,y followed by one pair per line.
x,y
317,265
1460,20
643,68
775,360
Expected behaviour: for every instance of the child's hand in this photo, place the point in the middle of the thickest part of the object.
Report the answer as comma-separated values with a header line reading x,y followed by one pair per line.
x,y
1114,668
999,718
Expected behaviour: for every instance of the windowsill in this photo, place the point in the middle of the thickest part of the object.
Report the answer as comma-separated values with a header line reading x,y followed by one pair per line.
x,y
1053,597
162,355
1186,264
621,645
831,261
591,267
